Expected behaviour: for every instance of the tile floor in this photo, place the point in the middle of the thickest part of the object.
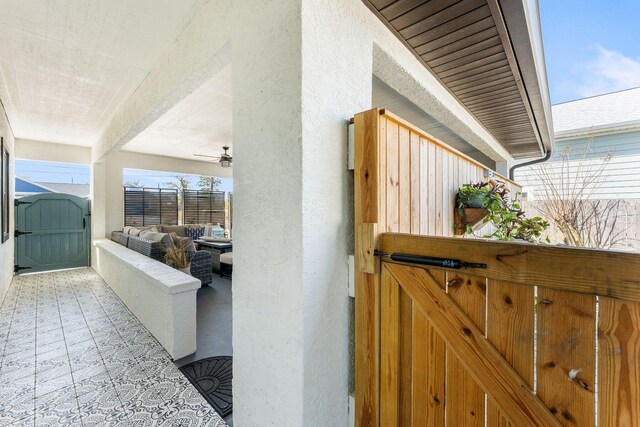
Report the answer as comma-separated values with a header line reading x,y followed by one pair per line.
x,y
72,354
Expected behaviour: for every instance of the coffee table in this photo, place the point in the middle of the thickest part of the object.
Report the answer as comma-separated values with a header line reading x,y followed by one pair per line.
x,y
215,248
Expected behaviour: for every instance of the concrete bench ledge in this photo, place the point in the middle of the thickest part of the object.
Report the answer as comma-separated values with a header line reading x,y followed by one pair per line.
x,y
161,297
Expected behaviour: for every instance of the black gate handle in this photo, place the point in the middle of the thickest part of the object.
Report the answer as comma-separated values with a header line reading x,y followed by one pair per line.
x,y
84,223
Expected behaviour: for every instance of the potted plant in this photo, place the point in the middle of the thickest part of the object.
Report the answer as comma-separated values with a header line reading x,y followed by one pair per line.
x,y
483,202
176,256
474,201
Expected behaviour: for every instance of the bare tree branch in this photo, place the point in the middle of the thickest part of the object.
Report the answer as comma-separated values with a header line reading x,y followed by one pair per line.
x,y
566,199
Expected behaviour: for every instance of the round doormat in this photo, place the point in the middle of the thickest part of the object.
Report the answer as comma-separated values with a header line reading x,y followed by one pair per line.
x,y
212,378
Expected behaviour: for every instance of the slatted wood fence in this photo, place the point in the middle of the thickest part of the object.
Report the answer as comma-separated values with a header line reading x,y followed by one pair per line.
x,y
544,336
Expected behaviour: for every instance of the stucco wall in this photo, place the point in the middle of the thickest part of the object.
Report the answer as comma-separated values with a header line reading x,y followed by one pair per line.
x,y
301,69
6,249
28,149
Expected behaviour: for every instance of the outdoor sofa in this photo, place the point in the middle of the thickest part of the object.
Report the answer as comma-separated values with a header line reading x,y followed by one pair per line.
x,y
152,241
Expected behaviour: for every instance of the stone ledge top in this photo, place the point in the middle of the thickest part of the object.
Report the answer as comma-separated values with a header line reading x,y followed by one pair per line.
x,y
166,278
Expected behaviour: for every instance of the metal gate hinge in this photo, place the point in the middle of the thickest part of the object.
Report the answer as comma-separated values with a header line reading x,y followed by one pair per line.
x,y
19,233
18,202
17,268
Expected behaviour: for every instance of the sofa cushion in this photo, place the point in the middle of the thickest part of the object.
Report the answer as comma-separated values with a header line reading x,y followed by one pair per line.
x,y
180,230
226,258
163,238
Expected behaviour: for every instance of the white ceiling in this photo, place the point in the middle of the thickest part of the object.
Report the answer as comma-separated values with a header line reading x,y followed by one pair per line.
x,y
66,66
199,124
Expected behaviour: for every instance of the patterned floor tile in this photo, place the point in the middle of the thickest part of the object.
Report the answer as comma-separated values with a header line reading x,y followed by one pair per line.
x,y
73,355
59,408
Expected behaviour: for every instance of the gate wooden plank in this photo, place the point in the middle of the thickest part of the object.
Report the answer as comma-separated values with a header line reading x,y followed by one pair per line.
x,y
511,394
618,362
392,182
415,183
510,328
428,368
566,355
367,203
389,350
611,273
439,190
431,180
381,184
366,165
404,180
406,356
466,396
424,187
367,319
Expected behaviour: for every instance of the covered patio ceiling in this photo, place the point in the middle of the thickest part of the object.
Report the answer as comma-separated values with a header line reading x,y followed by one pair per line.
x,y
488,54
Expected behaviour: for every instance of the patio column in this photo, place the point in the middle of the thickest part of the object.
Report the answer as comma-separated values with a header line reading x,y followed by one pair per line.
x,y
299,73
106,199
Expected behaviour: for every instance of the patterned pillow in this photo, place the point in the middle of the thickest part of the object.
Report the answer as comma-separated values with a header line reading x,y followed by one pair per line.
x,y
195,232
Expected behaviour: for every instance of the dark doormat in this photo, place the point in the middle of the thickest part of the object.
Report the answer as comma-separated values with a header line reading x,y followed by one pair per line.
x,y
212,378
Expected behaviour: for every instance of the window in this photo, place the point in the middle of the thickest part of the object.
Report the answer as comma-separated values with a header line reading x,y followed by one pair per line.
x,y
4,184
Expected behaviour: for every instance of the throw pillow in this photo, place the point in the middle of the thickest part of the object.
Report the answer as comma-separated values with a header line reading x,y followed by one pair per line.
x,y
195,232
134,231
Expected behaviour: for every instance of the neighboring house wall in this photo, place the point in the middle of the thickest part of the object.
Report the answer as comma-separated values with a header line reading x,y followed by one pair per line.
x,y
621,179
6,249
24,187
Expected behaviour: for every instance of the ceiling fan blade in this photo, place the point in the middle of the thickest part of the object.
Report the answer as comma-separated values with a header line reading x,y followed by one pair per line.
x,y
204,155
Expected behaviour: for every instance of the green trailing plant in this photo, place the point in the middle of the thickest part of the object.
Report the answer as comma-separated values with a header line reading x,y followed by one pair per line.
x,y
508,219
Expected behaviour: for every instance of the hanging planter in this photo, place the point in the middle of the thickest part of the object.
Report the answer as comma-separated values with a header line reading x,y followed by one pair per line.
x,y
469,220
484,202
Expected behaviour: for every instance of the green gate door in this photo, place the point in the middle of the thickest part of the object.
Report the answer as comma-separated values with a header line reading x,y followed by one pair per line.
x,y
52,232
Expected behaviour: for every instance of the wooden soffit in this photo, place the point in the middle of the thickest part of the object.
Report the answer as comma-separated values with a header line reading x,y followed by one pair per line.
x,y
466,44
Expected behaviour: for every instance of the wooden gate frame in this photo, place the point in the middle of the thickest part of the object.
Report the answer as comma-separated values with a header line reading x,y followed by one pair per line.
x,y
613,276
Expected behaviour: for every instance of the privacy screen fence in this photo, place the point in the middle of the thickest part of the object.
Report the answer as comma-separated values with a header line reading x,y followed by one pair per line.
x,y
153,206
203,207
150,206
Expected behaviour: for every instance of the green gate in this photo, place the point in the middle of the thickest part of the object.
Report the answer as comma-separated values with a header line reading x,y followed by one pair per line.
x,y
52,232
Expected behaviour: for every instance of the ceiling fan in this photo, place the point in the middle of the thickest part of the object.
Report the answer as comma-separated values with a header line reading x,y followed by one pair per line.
x,y
224,159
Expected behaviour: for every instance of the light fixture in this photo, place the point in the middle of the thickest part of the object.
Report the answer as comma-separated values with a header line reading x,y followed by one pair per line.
x,y
225,158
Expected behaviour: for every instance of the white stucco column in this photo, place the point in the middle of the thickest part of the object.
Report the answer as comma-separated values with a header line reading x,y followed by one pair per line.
x,y
299,74
268,342
106,199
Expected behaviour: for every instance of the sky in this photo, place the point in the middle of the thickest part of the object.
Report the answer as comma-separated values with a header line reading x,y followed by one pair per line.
x,y
71,173
591,47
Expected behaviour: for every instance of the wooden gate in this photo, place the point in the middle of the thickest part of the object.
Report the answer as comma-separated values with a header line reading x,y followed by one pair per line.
x,y
544,336
52,232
